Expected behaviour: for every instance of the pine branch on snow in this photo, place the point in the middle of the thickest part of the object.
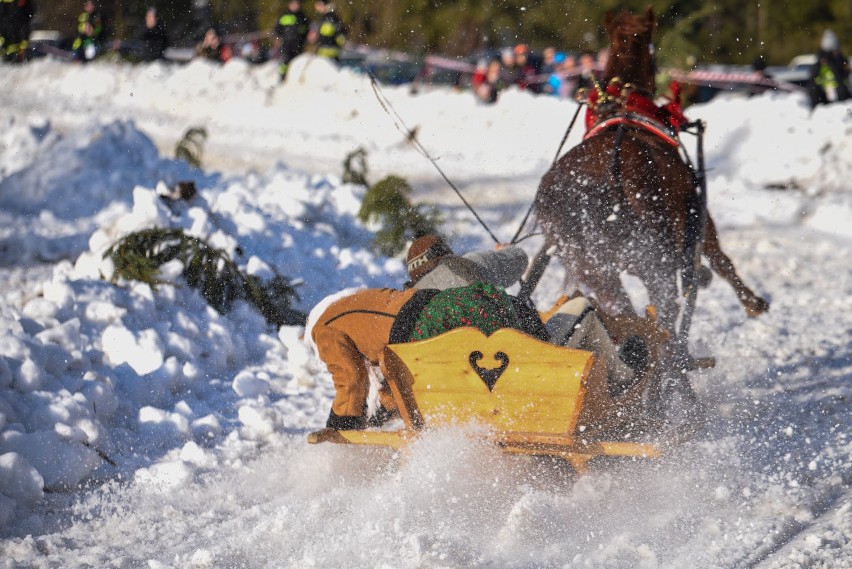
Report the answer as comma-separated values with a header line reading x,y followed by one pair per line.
x,y
387,203
139,256
190,148
355,167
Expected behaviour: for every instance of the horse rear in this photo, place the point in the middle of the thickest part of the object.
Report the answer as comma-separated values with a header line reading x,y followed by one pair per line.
x,y
610,211
625,200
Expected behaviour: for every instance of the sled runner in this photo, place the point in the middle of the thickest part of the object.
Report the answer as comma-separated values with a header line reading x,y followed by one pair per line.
x,y
534,397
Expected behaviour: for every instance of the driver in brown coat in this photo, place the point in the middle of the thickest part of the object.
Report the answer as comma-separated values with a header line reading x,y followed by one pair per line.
x,y
351,329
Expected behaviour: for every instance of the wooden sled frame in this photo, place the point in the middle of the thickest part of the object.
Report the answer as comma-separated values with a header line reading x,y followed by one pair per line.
x,y
534,397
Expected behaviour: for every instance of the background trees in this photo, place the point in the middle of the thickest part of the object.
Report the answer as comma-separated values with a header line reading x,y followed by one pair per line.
x,y
729,31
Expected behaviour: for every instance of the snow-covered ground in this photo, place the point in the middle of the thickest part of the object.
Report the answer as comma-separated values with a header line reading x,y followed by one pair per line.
x,y
141,428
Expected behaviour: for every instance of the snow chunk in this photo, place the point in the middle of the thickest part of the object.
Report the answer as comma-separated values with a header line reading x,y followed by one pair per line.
x,y
40,309
19,480
162,423
257,423
143,352
247,384
193,454
100,395
164,476
206,427
29,376
203,559
60,294
62,463
104,312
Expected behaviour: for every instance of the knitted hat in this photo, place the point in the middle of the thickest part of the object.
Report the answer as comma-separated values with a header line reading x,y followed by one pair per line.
x,y
424,254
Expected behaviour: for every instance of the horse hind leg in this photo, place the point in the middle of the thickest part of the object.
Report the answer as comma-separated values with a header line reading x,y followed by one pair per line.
x,y
722,264
663,295
607,288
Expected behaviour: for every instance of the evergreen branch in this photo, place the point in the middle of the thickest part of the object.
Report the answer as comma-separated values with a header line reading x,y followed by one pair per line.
x,y
139,256
387,204
190,147
355,167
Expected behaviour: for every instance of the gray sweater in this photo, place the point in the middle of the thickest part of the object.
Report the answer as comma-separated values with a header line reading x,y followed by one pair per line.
x,y
503,268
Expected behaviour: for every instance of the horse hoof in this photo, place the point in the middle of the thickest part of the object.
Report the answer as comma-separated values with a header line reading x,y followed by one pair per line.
x,y
757,307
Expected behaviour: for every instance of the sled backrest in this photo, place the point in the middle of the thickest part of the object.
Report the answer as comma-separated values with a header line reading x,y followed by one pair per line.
x,y
508,381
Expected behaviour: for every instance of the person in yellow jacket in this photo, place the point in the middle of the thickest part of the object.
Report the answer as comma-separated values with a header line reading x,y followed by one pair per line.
x,y
291,31
90,30
15,21
328,33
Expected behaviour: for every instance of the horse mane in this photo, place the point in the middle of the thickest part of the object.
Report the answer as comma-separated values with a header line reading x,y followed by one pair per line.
x,y
630,57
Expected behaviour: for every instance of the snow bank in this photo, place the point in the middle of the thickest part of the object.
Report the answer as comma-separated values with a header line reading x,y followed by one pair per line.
x,y
57,188
93,373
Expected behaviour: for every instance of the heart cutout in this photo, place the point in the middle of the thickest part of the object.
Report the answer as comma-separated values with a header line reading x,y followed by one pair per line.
x,y
489,376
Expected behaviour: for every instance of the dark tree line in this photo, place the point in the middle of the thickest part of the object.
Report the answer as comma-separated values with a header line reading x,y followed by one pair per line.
x,y
731,31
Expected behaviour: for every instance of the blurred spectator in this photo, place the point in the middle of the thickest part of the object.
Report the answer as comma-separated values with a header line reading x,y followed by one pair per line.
x,y
570,72
90,31
758,66
291,31
830,74
252,52
494,82
328,33
588,74
510,70
602,57
15,19
525,68
154,39
480,73
555,80
211,46
548,65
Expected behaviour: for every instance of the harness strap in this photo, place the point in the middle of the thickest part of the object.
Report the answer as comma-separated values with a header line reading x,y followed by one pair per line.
x,y
615,167
640,121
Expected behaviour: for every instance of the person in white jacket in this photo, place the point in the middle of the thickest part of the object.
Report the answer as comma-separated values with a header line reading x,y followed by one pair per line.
x,y
432,264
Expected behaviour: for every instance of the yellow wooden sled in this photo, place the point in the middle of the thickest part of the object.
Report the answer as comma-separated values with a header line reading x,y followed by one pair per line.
x,y
536,398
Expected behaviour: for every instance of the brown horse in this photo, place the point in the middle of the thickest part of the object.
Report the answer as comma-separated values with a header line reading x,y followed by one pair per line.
x,y
624,199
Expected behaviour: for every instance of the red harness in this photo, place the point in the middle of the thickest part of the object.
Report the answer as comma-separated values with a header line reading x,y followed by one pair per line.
x,y
619,105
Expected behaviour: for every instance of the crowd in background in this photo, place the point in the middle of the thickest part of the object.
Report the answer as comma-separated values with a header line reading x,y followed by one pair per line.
x,y
549,72
554,73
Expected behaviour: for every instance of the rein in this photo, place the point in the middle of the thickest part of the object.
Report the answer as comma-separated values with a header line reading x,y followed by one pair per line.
x,y
412,136
696,222
555,158
536,269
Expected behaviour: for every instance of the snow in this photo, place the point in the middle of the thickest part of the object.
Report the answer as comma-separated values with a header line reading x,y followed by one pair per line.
x,y
140,427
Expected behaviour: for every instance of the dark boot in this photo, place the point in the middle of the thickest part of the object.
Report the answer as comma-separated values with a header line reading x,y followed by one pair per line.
x,y
344,423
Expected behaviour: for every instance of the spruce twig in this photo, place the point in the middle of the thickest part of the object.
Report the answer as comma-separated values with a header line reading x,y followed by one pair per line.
x,y
355,167
387,203
139,256
190,147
